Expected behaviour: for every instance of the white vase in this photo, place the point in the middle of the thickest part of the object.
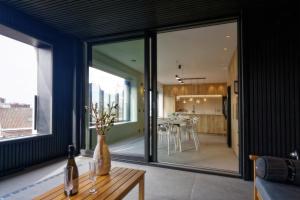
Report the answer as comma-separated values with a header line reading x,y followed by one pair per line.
x,y
102,156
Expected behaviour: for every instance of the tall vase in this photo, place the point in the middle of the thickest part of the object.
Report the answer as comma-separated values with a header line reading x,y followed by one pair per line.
x,y
102,156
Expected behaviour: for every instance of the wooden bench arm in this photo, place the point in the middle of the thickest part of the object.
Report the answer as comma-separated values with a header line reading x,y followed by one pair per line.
x,y
253,157
256,196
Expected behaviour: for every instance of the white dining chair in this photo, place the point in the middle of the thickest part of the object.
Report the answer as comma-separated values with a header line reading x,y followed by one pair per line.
x,y
166,130
191,130
176,134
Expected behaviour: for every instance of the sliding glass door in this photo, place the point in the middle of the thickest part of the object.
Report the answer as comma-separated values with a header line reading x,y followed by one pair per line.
x,y
116,75
197,119
172,101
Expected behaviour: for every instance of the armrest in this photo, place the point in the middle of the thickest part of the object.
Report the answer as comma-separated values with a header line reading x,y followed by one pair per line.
x,y
253,157
255,193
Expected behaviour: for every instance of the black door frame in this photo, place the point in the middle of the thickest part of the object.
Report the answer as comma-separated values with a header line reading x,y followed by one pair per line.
x,y
150,38
242,156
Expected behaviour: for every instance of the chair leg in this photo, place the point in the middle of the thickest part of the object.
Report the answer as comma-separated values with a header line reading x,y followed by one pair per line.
x,y
179,143
186,134
195,140
168,139
179,138
175,143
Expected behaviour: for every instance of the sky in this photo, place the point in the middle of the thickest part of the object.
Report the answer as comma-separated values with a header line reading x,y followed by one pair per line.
x,y
18,71
108,82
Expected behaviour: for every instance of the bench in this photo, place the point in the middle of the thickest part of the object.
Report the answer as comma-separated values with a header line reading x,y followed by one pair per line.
x,y
116,185
267,190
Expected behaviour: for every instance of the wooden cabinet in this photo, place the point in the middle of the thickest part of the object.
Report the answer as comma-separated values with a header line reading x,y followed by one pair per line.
x,y
212,124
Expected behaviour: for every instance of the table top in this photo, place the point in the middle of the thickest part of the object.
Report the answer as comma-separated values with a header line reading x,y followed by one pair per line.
x,y
113,186
176,122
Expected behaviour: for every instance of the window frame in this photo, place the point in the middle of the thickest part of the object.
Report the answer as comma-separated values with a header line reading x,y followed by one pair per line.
x,y
131,120
38,44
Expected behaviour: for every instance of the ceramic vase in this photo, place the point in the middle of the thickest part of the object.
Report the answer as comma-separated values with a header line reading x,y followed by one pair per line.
x,y
102,156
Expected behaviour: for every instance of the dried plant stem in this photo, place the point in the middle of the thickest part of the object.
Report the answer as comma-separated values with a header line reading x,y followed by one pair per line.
x,y
104,120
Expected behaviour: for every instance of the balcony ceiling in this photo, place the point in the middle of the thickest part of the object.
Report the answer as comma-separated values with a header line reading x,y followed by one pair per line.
x,y
87,19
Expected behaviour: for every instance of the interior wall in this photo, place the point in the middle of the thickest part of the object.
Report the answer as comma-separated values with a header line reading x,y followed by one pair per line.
x,y
191,89
136,126
67,59
171,91
212,106
233,76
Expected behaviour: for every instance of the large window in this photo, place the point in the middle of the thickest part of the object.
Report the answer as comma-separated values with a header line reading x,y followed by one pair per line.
x,y
25,88
106,88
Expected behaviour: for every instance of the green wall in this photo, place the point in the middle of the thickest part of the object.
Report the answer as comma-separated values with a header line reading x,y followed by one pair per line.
x,y
135,127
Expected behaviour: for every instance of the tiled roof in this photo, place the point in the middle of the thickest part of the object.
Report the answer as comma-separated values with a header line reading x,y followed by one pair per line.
x,y
15,118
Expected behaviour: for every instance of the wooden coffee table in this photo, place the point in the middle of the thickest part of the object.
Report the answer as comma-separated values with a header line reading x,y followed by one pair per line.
x,y
113,186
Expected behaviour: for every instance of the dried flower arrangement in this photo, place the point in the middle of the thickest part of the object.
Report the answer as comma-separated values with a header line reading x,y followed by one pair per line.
x,y
104,119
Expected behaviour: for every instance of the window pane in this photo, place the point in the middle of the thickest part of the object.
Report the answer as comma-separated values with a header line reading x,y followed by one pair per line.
x,y
106,88
18,87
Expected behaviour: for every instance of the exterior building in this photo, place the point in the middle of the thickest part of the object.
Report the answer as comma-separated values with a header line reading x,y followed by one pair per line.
x,y
15,120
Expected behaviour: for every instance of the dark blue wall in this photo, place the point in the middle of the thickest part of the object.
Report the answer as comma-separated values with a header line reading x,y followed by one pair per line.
x,y
67,60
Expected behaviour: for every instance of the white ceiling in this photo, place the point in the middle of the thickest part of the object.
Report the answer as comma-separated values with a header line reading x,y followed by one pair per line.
x,y
125,52
200,51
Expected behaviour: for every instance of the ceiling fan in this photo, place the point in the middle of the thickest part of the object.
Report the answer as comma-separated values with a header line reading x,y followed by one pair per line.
x,y
181,79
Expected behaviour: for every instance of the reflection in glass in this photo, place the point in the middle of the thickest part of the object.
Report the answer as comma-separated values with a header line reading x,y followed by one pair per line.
x,y
117,76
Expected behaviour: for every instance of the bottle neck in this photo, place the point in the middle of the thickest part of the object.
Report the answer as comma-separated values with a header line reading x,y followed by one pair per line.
x,y
71,155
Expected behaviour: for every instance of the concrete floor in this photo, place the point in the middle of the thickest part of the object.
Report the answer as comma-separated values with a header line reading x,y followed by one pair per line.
x,y
212,154
160,183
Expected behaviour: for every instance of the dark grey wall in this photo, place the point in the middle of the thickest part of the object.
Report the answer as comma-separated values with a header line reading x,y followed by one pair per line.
x,y
66,63
271,78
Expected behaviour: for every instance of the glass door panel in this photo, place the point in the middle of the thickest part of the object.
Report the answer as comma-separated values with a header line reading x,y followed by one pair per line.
x,y
116,75
194,68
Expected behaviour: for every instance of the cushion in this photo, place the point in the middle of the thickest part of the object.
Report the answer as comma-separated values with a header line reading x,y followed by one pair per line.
x,y
272,168
277,191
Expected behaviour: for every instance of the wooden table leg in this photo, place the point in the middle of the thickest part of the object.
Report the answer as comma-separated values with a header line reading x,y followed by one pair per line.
x,y
142,188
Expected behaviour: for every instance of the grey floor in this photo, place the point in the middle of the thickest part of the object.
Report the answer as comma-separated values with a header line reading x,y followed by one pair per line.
x,y
212,154
160,183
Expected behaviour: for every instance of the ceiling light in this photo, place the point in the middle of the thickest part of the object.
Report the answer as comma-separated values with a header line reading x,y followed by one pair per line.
x,y
184,101
197,101
191,99
225,49
201,96
204,99
227,36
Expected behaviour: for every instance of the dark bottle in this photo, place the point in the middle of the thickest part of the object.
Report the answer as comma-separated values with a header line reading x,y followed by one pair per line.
x,y
71,162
